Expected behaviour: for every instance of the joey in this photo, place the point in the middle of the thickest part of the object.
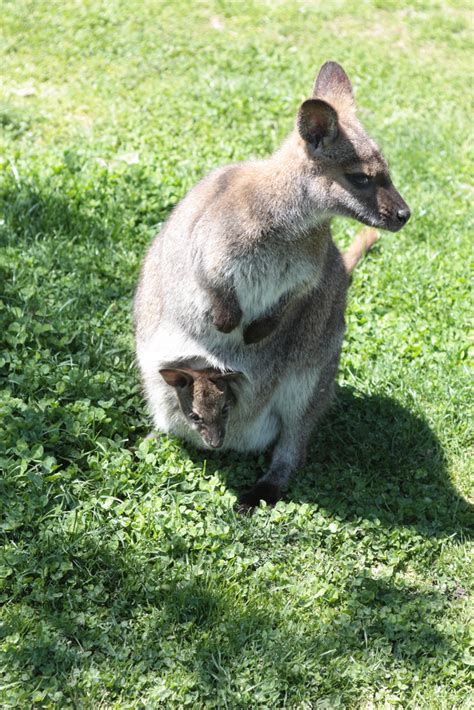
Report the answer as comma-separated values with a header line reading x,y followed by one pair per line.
x,y
205,398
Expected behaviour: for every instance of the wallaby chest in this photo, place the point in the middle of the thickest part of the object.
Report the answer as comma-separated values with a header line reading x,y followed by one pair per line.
x,y
270,273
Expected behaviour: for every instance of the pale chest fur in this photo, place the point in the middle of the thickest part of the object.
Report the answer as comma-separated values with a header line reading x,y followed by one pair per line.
x,y
261,281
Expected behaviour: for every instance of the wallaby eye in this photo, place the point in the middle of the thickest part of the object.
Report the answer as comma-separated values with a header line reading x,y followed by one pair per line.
x,y
225,408
194,417
359,179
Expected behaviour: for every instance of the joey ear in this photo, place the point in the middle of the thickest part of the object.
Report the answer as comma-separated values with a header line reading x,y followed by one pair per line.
x,y
333,84
230,378
176,378
317,122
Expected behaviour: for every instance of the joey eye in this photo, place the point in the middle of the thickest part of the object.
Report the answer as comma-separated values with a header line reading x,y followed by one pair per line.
x,y
194,417
359,179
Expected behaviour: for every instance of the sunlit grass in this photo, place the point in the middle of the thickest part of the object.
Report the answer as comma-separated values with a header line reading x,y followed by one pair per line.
x,y
128,579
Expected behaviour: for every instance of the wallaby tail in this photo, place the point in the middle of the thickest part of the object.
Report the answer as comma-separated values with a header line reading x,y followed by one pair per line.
x,y
363,242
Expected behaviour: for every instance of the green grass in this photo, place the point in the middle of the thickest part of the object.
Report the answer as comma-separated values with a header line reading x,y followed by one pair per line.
x,y
128,580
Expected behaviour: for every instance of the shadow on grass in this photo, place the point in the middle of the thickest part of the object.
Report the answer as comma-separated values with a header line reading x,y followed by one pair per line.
x,y
112,622
69,245
75,244
372,458
92,616
68,279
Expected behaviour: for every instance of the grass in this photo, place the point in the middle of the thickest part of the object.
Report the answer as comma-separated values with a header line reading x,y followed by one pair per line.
x,y
127,579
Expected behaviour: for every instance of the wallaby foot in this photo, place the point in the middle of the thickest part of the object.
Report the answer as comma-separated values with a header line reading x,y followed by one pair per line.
x,y
288,455
262,490
153,435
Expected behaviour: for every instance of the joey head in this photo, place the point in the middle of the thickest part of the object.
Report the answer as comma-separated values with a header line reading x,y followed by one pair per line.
x,y
205,398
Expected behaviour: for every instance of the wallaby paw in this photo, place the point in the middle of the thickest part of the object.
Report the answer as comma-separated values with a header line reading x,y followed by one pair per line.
x,y
259,329
262,490
226,321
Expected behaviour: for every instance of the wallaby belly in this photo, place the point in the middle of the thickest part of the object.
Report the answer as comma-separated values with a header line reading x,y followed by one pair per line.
x,y
282,374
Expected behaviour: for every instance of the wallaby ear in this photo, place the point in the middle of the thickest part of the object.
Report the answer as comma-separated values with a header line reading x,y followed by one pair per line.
x,y
333,84
317,122
176,378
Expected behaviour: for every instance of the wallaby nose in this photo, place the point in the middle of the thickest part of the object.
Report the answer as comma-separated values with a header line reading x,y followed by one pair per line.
x,y
214,440
403,215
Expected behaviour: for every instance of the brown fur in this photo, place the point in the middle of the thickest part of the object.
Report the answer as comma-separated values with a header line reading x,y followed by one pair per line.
x,y
205,398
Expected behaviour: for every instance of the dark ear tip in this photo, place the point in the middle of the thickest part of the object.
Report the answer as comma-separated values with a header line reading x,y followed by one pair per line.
x,y
332,76
330,64
327,65
332,67
313,103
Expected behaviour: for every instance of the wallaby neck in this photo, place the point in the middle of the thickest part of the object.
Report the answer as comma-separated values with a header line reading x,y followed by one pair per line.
x,y
286,200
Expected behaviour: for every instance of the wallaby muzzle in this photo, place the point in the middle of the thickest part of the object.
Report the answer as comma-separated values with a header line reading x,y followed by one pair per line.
x,y
400,215
214,439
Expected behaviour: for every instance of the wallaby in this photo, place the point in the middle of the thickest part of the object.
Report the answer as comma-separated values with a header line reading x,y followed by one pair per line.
x,y
245,277
205,399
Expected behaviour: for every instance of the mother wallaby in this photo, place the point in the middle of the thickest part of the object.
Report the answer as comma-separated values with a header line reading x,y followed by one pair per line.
x,y
245,277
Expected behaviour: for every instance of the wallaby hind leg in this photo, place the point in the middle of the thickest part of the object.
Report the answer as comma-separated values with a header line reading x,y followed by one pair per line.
x,y
153,436
289,452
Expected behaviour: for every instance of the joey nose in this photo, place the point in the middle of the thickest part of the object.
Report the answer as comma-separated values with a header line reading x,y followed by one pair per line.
x,y
214,440
403,215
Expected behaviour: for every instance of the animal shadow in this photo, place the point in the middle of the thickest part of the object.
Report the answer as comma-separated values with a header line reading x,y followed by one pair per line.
x,y
370,458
